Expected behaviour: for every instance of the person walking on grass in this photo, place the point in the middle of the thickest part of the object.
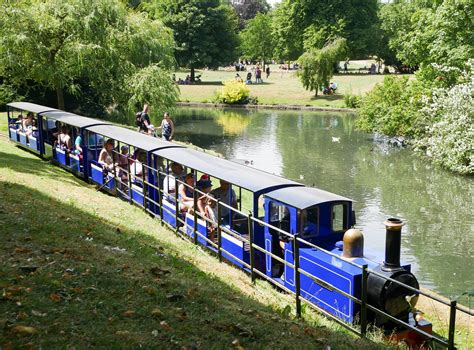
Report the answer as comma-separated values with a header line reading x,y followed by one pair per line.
x,y
167,127
268,71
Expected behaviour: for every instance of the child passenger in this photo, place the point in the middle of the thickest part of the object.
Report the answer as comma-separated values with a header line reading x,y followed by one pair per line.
x,y
211,214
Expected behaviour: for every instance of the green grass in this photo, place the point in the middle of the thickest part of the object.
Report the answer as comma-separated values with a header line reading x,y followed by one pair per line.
x,y
83,269
282,87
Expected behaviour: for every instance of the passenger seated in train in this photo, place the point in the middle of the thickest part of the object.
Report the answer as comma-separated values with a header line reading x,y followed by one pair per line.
x,y
186,193
280,218
309,222
27,123
78,146
225,195
106,157
16,123
204,185
211,214
64,139
169,181
123,163
137,168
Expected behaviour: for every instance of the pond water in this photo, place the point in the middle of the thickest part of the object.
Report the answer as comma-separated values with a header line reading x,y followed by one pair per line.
x,y
326,151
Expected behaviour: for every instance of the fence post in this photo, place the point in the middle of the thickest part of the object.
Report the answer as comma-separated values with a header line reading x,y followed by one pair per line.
x,y
296,260
145,188
252,251
129,179
176,204
160,196
195,223
219,233
363,302
452,324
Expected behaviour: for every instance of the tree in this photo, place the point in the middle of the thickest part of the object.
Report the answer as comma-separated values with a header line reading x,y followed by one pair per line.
x,y
301,24
205,31
425,32
317,65
248,9
58,44
256,39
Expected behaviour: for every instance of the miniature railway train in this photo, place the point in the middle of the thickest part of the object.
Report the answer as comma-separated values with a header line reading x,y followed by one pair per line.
x,y
301,239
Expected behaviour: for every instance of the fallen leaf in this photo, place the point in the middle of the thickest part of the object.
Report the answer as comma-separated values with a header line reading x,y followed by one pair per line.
x,y
55,297
39,314
24,330
22,316
122,333
156,313
165,326
22,250
158,271
236,345
128,313
295,329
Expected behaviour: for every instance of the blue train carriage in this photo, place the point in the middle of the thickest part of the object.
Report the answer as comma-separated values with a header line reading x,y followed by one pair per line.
x,y
239,180
31,138
135,176
76,125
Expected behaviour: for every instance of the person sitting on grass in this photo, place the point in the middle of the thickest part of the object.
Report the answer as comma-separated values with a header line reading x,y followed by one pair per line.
x,y
333,87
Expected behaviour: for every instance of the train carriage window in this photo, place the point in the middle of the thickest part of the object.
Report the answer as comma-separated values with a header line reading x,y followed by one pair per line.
x,y
309,221
339,217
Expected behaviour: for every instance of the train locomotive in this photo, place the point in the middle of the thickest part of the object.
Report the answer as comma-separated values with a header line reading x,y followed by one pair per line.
x,y
289,227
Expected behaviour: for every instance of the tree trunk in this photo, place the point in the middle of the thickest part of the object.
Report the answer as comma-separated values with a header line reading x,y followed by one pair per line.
x,y
192,74
263,60
60,98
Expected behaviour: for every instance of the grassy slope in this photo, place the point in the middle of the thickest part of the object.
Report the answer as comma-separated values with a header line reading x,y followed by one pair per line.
x,y
84,269
280,88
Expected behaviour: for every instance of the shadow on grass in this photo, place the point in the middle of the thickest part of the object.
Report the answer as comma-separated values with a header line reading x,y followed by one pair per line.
x,y
79,280
30,163
335,97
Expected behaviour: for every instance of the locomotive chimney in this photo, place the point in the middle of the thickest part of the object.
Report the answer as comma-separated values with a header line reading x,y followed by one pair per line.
x,y
393,238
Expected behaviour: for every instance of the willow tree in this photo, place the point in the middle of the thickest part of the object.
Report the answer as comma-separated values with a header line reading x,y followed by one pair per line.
x,y
60,44
317,65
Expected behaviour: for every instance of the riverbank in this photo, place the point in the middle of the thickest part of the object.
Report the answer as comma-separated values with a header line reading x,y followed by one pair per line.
x,y
263,106
281,88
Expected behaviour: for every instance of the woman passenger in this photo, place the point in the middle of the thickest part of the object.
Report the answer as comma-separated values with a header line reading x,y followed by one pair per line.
x,y
27,123
186,193
64,139
138,170
106,158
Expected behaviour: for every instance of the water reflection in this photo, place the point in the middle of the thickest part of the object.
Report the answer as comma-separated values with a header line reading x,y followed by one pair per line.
x,y
326,151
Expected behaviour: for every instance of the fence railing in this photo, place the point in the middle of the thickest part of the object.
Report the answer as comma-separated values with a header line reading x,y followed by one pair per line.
x,y
248,240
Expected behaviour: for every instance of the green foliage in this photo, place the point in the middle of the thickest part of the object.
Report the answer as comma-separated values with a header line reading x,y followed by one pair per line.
x,y
205,31
300,24
422,32
59,44
392,107
317,66
449,134
233,92
256,39
352,101
7,94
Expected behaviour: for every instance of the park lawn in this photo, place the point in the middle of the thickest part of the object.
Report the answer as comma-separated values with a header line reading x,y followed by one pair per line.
x,y
83,269
282,87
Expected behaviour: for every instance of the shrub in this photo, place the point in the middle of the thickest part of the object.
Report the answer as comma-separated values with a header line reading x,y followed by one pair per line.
x,y
449,134
233,92
392,107
351,100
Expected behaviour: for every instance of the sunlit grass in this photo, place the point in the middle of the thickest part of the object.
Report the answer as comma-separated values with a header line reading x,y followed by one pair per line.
x,y
282,87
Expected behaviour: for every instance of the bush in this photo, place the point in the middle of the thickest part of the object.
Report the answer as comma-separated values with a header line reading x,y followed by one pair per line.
x,y
392,107
449,135
233,92
352,101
